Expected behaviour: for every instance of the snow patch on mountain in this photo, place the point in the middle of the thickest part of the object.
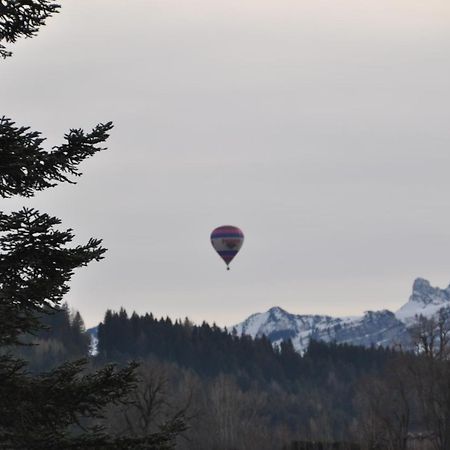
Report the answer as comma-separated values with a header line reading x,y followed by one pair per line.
x,y
378,328
373,328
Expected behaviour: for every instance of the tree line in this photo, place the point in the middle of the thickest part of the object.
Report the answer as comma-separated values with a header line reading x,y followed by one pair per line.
x,y
245,390
256,385
210,350
208,388
62,337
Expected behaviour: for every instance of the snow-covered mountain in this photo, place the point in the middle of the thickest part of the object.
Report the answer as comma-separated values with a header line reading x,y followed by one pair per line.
x,y
373,328
425,300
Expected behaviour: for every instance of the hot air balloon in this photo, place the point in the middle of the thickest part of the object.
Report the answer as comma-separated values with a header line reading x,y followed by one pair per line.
x,y
227,241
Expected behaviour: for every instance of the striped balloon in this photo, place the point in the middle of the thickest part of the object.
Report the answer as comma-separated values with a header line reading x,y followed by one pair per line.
x,y
227,241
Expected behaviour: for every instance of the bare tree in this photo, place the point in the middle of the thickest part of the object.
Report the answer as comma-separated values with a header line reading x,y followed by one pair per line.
x,y
431,335
430,376
153,406
384,408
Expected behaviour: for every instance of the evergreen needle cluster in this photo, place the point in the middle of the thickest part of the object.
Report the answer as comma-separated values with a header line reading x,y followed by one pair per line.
x,y
63,408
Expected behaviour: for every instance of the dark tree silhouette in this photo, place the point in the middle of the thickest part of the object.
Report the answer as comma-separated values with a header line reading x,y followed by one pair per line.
x,y
62,408
22,18
26,167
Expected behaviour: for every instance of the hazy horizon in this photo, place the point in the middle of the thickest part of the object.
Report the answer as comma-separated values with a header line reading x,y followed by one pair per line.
x,y
320,129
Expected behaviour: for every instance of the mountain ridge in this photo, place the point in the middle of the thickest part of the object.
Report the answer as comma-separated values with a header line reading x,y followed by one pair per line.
x,y
373,328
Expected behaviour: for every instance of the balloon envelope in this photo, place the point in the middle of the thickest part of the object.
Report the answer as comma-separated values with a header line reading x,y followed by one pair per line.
x,y
227,241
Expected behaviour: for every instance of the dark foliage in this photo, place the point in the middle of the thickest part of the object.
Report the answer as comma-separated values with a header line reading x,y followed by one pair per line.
x,y
35,268
64,396
210,351
306,396
22,18
62,338
63,408
48,411
25,167
322,446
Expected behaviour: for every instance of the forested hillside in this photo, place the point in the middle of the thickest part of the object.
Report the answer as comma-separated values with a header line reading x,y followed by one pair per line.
x,y
63,337
242,393
210,351
269,394
236,392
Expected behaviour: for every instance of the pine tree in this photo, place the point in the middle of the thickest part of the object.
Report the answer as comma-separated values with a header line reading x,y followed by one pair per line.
x,y
61,409
22,18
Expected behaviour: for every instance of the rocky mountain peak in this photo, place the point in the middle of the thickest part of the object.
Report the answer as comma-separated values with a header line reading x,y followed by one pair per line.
x,y
421,285
378,315
381,327
277,311
426,294
425,300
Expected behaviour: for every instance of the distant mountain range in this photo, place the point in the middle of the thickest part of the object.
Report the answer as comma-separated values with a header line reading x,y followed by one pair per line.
x,y
377,328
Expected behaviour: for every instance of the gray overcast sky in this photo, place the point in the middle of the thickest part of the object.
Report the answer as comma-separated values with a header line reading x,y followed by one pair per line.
x,y
321,128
